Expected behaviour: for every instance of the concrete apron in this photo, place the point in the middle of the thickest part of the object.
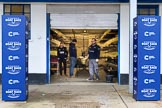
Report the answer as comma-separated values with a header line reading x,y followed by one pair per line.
x,y
80,95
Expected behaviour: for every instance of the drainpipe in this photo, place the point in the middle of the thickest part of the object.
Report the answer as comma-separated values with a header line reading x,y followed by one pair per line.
x,y
132,14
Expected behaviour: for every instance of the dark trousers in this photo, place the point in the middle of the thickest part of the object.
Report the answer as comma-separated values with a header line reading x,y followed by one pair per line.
x,y
60,66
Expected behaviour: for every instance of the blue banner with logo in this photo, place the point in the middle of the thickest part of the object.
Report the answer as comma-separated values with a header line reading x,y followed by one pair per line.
x,y
14,58
146,58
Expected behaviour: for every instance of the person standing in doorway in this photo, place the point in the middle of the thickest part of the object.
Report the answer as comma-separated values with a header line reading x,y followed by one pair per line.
x,y
93,55
62,54
73,57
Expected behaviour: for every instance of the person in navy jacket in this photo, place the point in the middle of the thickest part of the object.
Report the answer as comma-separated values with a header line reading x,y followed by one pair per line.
x,y
93,55
62,54
73,57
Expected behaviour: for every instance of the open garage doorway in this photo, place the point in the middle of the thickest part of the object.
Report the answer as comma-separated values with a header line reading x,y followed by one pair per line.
x,y
107,39
84,22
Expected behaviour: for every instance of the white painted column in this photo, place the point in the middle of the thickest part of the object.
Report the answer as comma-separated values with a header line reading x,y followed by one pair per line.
x,y
1,13
133,14
160,14
37,44
124,38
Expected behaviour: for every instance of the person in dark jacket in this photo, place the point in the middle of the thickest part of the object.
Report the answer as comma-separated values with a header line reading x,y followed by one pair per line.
x,y
73,57
62,54
93,55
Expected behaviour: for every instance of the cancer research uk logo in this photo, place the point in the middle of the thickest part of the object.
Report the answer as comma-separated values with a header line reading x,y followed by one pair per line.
x,y
13,69
149,45
149,21
134,69
13,57
149,81
134,92
13,22
13,81
13,46
149,93
13,34
149,33
149,69
135,56
135,35
149,57
135,80
135,23
13,93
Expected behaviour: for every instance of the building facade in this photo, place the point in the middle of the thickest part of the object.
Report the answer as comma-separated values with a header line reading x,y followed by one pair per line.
x,y
37,12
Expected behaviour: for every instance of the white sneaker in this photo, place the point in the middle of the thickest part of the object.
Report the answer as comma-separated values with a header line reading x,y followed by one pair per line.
x,y
97,79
